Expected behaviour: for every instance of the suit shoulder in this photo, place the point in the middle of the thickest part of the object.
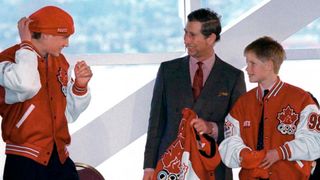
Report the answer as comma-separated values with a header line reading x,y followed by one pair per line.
x,y
228,71
229,67
174,62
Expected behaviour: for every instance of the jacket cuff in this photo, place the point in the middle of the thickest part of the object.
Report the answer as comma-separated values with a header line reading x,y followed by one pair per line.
x,y
284,152
80,91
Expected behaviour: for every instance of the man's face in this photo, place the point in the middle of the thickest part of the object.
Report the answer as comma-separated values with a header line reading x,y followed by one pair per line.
x,y
257,70
53,45
197,44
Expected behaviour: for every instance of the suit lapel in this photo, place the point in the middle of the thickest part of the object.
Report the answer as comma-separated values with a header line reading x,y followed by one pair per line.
x,y
185,84
212,84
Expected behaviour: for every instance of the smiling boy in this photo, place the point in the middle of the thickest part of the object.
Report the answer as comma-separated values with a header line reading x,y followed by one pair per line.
x,y
38,98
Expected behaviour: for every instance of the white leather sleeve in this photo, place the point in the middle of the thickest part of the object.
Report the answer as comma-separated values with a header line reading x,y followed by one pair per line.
x,y
231,146
75,104
306,145
21,79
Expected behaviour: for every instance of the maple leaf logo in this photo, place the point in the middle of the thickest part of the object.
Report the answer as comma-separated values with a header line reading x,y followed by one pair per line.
x,y
171,159
288,116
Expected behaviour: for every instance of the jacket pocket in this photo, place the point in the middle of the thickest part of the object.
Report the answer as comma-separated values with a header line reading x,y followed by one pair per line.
x,y
25,115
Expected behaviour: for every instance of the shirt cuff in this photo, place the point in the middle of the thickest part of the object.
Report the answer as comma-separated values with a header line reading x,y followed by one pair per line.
x,y
149,169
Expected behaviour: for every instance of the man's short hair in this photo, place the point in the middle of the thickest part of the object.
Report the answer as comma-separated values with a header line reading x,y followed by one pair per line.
x,y
210,21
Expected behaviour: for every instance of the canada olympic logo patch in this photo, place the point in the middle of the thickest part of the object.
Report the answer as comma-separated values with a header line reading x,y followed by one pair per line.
x,y
287,121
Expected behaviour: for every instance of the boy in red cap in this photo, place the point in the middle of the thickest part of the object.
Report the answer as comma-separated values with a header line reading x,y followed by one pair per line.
x,y
38,98
272,131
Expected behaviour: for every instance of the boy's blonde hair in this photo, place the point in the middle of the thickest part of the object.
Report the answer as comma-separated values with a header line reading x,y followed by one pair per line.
x,y
266,48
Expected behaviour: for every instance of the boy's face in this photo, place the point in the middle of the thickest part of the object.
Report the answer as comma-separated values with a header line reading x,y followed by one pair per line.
x,y
53,45
258,71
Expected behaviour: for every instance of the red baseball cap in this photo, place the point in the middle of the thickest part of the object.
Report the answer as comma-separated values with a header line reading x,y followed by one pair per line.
x,y
52,20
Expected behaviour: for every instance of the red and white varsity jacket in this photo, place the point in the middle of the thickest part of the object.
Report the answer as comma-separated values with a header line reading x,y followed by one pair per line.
x,y
36,102
190,156
291,126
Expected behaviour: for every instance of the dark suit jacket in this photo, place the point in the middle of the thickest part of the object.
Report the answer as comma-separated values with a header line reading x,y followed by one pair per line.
x,y
173,92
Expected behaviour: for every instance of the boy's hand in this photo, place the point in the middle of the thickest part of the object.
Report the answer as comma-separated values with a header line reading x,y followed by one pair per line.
x,y
82,73
23,27
270,158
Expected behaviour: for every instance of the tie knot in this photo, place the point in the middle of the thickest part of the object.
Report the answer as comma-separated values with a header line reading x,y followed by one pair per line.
x,y
200,64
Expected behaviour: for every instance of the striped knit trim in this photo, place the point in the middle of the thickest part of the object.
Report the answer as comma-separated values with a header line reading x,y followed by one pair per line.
x,y
273,92
276,88
22,149
281,153
288,151
28,45
79,90
284,152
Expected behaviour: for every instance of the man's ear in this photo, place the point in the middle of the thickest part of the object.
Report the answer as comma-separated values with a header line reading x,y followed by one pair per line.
x,y
212,38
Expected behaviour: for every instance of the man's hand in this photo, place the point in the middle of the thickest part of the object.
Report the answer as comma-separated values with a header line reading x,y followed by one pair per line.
x,y
148,174
23,27
201,126
83,74
270,158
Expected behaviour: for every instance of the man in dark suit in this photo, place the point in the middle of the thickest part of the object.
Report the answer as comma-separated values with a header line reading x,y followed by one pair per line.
x,y
175,89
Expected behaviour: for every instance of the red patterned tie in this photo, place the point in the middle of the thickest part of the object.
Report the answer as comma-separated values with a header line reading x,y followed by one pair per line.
x,y
197,81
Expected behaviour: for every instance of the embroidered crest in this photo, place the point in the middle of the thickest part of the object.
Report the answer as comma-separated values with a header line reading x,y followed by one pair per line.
x,y
287,121
228,129
63,79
